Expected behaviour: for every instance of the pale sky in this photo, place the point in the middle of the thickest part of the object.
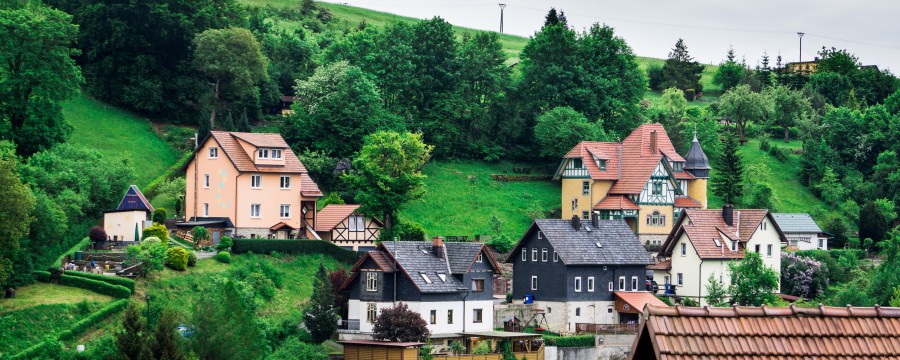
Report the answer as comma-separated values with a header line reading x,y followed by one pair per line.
x,y
869,29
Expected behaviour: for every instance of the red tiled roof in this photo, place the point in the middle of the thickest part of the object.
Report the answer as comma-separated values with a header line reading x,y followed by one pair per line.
x,y
786,333
662,265
686,202
244,162
270,140
385,263
281,225
636,300
308,187
703,227
684,175
333,214
616,202
639,161
609,151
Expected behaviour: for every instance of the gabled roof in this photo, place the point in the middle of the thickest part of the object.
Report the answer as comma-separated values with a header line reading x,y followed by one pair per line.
x,y
264,140
229,142
609,151
785,333
637,300
797,223
333,214
134,199
704,227
616,202
619,245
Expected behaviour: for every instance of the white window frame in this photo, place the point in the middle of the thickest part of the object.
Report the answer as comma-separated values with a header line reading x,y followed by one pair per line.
x,y
281,212
769,250
590,284
371,312
475,287
578,284
534,253
621,283
524,254
734,245
680,279
555,256
258,211
450,316
433,317
477,316
205,209
540,234
371,281
206,181
634,283
534,283
213,153
544,254
262,153
426,278
585,187
610,286
479,258
275,154
256,181
285,180
356,223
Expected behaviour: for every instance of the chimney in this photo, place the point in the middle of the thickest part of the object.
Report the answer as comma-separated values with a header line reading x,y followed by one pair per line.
x,y
728,214
437,246
595,220
576,222
653,148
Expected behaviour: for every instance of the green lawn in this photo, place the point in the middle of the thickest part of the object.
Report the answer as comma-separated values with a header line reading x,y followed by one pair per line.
x,y
119,134
23,328
790,194
461,199
48,294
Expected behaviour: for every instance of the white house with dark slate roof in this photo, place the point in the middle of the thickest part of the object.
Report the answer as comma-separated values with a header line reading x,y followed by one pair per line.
x,y
448,284
802,232
577,272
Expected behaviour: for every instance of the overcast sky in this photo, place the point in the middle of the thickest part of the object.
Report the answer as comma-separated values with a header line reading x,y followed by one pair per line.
x,y
869,29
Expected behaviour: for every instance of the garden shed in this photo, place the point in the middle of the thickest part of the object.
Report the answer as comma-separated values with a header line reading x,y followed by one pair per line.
x,y
380,350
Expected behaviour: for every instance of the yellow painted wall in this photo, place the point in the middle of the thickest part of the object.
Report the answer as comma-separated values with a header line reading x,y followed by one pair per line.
x,y
643,228
572,188
599,189
697,190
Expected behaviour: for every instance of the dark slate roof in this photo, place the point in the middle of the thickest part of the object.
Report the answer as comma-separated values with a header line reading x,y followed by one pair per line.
x,y
796,223
416,258
461,255
696,159
579,247
134,199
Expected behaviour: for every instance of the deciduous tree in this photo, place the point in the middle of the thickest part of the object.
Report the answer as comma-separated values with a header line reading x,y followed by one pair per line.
x,y
401,324
15,209
716,293
560,129
729,73
744,106
789,107
752,282
225,322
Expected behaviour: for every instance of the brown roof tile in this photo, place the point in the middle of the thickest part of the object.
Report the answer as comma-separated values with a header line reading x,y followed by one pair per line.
x,y
662,265
686,202
703,227
244,161
270,140
616,202
333,214
383,261
308,187
768,333
637,300
639,161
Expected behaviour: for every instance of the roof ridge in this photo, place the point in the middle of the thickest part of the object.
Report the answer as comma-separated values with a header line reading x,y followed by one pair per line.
x,y
766,311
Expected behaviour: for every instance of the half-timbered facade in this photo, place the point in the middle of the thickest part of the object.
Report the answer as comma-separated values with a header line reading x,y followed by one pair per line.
x,y
641,180
348,228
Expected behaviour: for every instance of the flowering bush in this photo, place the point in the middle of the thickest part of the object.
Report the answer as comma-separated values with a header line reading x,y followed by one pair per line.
x,y
802,276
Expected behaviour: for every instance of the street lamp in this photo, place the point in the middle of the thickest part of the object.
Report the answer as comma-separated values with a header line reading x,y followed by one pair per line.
x,y
801,45
502,6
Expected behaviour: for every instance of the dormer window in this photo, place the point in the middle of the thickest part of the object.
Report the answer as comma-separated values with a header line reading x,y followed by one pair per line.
x,y
276,154
478,258
601,164
734,246
426,278
262,154
678,166
577,164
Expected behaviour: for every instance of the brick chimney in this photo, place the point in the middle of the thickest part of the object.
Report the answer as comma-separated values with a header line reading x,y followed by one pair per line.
x,y
576,222
728,214
437,246
653,144
595,220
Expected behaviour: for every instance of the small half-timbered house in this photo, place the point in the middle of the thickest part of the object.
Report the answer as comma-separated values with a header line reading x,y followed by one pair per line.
x,y
348,228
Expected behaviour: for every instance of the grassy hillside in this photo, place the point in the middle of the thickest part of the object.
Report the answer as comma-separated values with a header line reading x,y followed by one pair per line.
x,y
462,198
119,134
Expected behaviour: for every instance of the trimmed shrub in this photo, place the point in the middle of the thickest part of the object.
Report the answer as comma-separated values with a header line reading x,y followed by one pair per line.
x,y
177,258
157,230
224,257
225,244
113,280
97,234
92,320
778,153
116,291
192,258
159,216
265,246
570,341
42,276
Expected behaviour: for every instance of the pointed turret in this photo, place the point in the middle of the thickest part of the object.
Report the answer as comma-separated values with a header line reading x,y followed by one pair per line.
x,y
696,161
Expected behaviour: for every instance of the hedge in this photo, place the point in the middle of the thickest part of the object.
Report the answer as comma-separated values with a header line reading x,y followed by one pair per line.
x,y
114,280
99,287
77,329
42,276
570,341
266,246
80,245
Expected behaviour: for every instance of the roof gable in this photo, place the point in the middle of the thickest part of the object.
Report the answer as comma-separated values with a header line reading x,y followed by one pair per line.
x,y
134,199
618,244
417,258
332,215
703,227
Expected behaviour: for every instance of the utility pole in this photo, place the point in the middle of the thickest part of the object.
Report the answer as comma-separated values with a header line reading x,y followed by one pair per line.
x,y
801,45
502,6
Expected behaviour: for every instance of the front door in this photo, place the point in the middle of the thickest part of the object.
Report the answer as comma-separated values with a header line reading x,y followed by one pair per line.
x,y
215,237
609,316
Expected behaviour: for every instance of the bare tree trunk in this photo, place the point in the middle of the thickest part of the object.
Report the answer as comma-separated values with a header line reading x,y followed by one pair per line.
x,y
212,114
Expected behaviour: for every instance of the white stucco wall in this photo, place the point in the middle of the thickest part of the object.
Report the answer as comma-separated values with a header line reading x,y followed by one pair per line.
x,y
121,224
357,310
561,316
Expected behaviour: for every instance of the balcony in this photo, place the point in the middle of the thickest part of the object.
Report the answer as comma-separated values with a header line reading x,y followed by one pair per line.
x,y
349,326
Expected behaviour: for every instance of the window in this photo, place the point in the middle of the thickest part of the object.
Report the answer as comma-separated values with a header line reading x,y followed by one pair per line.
x,y
284,211
680,279
756,248
666,280
621,283
657,188
433,316
524,254
574,203
371,281
590,284
356,223
213,153
205,209
678,166
534,254
371,313
476,316
426,278
683,249
734,245
585,215
656,219
254,210
479,258
763,225
443,277
578,311
821,243
544,254
578,284
450,316
206,181
534,283
769,250
478,285
276,153
540,235
556,255
262,154
634,283
602,165
585,187
255,181
577,164
285,182
610,286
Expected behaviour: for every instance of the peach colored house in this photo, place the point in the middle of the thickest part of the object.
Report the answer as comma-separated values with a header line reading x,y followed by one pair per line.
x,y
249,185
345,226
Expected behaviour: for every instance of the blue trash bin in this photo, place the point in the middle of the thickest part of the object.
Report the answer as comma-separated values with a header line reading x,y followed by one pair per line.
x,y
529,298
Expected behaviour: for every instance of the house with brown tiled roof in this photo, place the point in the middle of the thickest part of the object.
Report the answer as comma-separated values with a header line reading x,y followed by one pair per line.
x,y
787,333
347,227
703,243
249,185
642,180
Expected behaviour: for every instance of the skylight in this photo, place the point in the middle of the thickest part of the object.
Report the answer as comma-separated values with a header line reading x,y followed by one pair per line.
x,y
599,245
443,277
426,278
718,243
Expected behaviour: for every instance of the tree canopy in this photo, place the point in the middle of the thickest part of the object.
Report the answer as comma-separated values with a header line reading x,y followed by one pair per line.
x,y
401,324
681,71
752,282
560,129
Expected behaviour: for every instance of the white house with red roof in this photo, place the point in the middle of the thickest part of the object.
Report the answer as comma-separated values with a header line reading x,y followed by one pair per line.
x,y
642,180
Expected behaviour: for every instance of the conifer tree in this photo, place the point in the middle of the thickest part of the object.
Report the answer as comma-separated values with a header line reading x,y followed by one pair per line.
x,y
681,71
129,341
727,184
764,73
164,344
716,293
319,315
